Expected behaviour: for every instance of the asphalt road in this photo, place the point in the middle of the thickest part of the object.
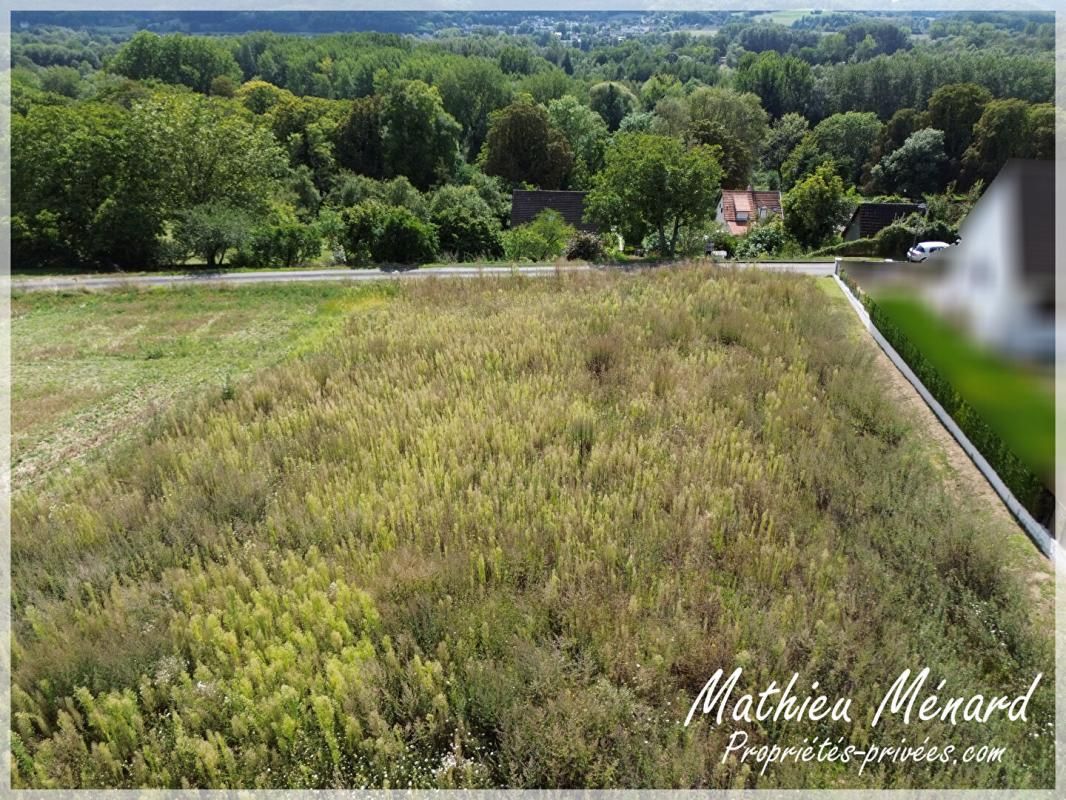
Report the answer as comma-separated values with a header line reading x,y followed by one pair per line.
x,y
66,282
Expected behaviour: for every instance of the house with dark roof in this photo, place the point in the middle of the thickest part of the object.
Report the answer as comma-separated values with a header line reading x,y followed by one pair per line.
x,y
526,204
740,208
1000,278
870,219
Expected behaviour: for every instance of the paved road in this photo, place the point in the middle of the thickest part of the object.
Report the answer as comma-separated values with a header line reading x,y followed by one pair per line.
x,y
293,276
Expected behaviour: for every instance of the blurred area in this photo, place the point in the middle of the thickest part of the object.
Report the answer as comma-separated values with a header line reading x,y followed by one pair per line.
x,y
982,311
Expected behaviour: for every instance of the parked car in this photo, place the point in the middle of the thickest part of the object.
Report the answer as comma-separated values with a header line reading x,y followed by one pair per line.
x,y
922,250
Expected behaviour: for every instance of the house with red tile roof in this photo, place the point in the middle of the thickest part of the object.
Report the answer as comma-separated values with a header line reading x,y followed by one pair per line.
x,y
740,208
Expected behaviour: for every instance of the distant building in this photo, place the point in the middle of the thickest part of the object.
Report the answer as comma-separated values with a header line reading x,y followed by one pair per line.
x,y
870,219
1000,279
740,208
525,205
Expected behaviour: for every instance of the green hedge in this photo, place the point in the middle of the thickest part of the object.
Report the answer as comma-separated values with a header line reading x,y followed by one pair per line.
x,y
1022,481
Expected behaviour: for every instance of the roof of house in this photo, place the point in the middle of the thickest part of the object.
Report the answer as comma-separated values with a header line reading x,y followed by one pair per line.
x,y
747,200
526,204
872,218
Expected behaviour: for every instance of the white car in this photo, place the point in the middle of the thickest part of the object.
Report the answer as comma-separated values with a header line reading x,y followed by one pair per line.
x,y
922,250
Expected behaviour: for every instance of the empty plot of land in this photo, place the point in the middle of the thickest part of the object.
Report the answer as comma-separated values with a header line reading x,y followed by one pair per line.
x,y
500,533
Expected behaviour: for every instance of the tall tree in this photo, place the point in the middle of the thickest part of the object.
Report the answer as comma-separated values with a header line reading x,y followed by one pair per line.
x,y
612,101
845,139
524,147
585,132
784,135
84,188
915,168
955,109
783,83
471,89
214,150
1002,132
740,116
816,207
421,139
358,145
654,184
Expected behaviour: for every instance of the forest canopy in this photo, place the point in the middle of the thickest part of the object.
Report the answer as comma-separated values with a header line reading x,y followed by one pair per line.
x,y
279,136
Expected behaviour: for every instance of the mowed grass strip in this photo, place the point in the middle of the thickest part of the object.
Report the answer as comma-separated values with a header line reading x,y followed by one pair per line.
x,y
90,368
500,533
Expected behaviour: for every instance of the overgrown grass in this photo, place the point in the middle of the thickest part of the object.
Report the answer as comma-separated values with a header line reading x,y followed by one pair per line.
x,y
92,367
499,533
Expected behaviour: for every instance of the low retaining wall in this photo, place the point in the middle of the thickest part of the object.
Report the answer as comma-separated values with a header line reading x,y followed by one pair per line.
x,y
1036,531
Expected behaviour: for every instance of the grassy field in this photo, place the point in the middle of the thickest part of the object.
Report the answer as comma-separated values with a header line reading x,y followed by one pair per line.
x,y
89,367
1018,405
500,533
784,17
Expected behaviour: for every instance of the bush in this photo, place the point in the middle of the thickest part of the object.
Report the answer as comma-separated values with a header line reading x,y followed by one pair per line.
x,y
584,246
895,240
466,226
375,232
283,243
543,239
763,239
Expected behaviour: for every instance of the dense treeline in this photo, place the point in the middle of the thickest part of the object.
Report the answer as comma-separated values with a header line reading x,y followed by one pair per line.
x,y
257,148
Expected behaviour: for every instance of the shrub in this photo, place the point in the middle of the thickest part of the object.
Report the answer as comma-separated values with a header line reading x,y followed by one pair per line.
x,y
466,226
281,242
584,246
543,239
764,239
895,240
375,232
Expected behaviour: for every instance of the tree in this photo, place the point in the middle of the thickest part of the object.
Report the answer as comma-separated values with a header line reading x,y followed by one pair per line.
x,y
193,61
1001,133
585,132
524,147
654,184
85,188
466,226
358,144
208,150
734,156
471,89
845,139
658,87
740,116
955,109
782,83
376,232
784,135
1042,118
915,168
420,139
211,230
612,101
816,207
